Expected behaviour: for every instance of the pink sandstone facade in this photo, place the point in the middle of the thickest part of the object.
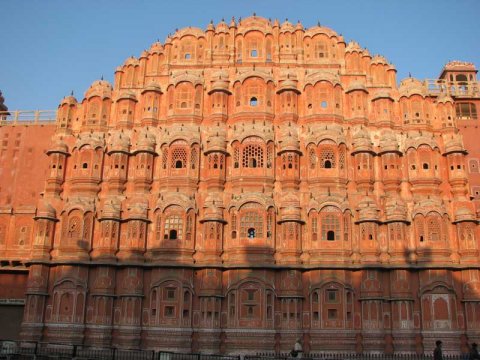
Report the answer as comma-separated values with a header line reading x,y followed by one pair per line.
x,y
244,186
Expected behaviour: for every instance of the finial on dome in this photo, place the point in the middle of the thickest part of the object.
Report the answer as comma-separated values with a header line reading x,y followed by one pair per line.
x,y
223,19
254,14
409,74
211,21
318,23
286,19
101,78
71,93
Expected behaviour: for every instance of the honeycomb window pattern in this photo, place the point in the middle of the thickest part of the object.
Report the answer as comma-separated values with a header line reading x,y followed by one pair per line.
x,y
173,227
330,223
327,156
251,220
252,156
179,158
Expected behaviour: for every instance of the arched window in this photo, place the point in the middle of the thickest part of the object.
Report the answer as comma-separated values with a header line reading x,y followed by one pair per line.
x,y
184,96
312,157
252,156
434,227
179,158
330,220
173,228
253,101
327,158
251,221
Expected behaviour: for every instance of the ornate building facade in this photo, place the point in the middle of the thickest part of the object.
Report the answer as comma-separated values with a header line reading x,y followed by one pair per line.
x,y
244,186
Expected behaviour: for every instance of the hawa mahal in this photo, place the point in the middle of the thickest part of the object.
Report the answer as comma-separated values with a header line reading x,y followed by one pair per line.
x,y
240,187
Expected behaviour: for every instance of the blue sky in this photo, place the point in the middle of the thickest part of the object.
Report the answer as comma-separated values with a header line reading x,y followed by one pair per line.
x,y
51,47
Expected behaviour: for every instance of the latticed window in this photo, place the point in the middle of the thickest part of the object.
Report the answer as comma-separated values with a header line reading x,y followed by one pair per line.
x,y
179,158
269,223
346,226
194,158
420,228
330,216
269,156
215,161
466,232
327,158
314,227
189,228
158,227
236,157
312,158
184,97
133,229
433,227
251,222
341,158
164,158
234,226
74,227
367,231
252,156
173,227
396,231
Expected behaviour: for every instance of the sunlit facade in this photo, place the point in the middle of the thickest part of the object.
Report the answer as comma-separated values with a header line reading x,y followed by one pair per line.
x,y
249,184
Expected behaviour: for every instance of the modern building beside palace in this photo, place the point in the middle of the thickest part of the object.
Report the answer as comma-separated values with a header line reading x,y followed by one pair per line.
x,y
244,186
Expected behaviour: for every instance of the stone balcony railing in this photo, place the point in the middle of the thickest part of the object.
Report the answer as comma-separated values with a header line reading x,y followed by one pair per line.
x,y
27,117
452,88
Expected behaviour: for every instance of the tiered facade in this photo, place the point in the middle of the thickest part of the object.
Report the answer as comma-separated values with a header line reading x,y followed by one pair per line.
x,y
254,183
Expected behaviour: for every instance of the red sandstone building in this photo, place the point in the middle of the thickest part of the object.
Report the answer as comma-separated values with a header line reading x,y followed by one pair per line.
x,y
241,187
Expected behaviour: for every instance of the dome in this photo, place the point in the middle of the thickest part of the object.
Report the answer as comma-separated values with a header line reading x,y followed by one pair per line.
x,y
216,142
453,144
411,86
156,48
382,94
213,209
144,54
59,146
464,214
138,209
221,27
361,142
153,86
289,142
111,209
132,60
45,210
288,85
290,209
220,82
127,95
145,142
318,29
287,26
367,210
389,143
353,46
356,86
379,59
100,88
118,142
67,100
395,210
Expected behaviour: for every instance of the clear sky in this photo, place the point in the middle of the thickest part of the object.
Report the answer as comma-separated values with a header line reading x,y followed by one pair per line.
x,y
50,47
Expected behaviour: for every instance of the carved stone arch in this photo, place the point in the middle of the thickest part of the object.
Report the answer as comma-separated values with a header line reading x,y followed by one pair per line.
x,y
438,287
250,280
168,279
330,281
